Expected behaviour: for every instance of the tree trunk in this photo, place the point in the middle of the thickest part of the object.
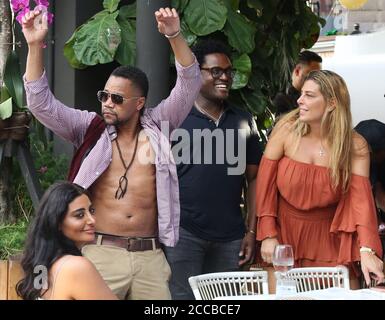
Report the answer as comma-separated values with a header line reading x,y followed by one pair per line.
x,y
5,34
6,210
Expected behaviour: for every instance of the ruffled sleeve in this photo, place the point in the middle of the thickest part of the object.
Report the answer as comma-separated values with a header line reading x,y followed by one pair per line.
x,y
267,198
355,221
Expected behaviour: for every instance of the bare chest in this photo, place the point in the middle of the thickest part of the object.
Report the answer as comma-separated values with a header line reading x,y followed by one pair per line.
x,y
131,166
136,163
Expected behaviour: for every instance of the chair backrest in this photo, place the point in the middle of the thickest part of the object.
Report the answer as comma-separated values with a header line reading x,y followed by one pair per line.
x,y
240,283
317,278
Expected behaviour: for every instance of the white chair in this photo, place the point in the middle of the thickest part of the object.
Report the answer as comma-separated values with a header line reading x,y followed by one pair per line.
x,y
317,278
240,283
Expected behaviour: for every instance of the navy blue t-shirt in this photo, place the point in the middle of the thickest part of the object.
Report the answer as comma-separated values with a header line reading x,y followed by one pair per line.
x,y
211,162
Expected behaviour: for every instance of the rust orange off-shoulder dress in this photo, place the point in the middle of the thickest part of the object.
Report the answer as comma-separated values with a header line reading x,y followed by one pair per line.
x,y
296,203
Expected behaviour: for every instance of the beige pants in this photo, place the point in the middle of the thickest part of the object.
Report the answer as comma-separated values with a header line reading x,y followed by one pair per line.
x,y
140,275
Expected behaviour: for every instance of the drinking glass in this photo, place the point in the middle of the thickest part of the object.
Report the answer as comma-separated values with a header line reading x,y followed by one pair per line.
x,y
284,286
283,261
283,258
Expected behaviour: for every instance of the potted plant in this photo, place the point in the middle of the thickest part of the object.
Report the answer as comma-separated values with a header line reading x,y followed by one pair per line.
x,y
14,116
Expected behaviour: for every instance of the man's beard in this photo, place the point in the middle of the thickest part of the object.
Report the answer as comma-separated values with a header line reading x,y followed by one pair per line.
x,y
117,122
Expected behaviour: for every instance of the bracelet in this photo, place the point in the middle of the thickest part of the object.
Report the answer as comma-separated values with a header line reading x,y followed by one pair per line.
x,y
251,231
366,249
173,35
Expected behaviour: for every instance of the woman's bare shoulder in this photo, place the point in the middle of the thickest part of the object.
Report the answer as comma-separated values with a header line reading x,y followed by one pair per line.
x,y
282,129
77,264
280,137
71,265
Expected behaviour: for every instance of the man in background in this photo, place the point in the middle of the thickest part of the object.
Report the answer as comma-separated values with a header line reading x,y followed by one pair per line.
x,y
285,102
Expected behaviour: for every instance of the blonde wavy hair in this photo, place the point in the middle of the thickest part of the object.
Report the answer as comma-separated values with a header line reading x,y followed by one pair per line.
x,y
336,125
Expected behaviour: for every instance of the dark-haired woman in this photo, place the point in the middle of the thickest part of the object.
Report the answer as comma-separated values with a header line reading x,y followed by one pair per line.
x,y
53,266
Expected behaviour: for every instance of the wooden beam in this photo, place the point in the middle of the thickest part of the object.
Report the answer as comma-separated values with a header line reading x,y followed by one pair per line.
x,y
15,273
3,279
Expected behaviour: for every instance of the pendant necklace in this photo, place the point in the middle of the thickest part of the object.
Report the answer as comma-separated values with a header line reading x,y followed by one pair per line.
x,y
122,188
321,151
216,120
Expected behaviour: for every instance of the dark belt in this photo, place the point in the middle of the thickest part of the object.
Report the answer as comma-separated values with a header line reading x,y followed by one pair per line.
x,y
128,243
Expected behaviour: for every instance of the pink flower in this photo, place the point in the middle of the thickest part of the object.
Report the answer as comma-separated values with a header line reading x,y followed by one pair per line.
x,y
18,5
50,18
44,3
21,14
44,9
40,7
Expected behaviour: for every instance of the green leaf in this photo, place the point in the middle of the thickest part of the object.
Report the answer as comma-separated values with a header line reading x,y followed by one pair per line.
x,y
240,32
268,122
128,11
234,4
205,16
239,81
13,79
6,109
254,101
111,5
179,5
126,52
242,65
187,34
69,53
4,94
97,40
256,79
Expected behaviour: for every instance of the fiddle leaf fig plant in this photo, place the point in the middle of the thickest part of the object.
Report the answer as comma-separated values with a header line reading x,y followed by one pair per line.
x,y
108,35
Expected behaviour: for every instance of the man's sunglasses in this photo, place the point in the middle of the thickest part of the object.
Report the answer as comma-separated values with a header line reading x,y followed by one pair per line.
x,y
115,98
217,72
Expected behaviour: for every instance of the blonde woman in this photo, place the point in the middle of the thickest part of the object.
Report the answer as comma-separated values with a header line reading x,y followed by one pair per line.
x,y
313,186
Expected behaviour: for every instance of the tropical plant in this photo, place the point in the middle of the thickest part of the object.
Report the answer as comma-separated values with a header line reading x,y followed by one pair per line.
x,y
265,36
11,99
49,169
14,117
11,86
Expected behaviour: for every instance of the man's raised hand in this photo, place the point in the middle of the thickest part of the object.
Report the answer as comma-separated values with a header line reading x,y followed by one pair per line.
x,y
35,27
168,21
